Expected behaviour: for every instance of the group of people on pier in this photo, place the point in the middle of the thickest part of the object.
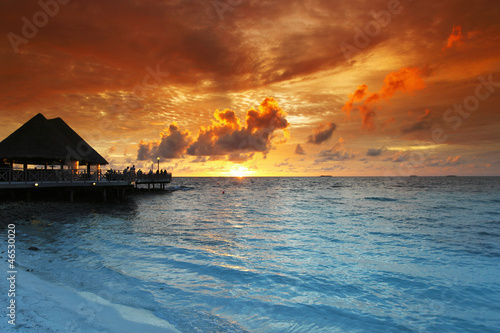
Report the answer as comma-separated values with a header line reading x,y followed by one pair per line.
x,y
131,174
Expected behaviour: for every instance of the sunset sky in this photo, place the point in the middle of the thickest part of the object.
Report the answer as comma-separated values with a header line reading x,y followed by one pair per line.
x,y
262,88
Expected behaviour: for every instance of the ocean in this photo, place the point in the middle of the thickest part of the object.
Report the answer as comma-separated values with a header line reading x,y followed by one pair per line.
x,y
312,254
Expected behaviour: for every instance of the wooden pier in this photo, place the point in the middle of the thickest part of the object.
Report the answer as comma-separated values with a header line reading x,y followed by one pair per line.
x,y
151,180
34,183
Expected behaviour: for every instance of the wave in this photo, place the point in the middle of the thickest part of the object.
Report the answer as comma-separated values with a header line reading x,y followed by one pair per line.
x,y
179,188
381,199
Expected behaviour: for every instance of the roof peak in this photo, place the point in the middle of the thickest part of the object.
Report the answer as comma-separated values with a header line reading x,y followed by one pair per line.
x,y
39,115
47,140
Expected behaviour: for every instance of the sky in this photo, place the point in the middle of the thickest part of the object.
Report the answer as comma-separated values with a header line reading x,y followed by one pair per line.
x,y
262,88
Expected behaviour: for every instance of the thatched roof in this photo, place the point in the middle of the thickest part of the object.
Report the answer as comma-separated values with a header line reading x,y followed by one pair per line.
x,y
51,141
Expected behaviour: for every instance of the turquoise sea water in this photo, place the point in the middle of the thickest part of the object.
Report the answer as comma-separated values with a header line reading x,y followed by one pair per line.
x,y
289,254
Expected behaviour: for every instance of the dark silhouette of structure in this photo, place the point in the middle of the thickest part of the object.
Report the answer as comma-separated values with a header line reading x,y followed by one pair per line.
x,y
48,142
51,142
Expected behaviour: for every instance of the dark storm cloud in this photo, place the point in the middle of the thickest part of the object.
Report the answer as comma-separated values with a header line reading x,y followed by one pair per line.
x,y
299,150
173,144
322,133
375,151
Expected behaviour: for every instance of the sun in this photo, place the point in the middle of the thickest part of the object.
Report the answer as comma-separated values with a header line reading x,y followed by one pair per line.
x,y
240,172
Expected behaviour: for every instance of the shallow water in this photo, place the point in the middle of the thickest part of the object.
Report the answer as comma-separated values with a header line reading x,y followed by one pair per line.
x,y
289,254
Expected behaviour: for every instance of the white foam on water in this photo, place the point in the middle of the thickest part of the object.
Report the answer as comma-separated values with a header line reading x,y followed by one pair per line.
x,y
43,306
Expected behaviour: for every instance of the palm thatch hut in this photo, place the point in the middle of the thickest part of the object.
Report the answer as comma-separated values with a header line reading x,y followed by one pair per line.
x,y
42,141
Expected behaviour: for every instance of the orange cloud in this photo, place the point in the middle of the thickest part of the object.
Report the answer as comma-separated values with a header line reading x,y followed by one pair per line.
x,y
240,158
173,144
453,160
356,96
425,115
337,153
424,122
455,37
227,135
408,80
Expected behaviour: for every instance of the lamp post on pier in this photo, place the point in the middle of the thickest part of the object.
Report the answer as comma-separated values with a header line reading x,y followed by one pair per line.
x,y
158,164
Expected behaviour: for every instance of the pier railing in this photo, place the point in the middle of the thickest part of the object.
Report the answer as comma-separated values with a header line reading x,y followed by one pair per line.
x,y
8,175
50,175
163,177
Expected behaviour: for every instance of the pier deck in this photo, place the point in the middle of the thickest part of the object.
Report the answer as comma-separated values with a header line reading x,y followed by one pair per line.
x,y
31,178
32,181
153,179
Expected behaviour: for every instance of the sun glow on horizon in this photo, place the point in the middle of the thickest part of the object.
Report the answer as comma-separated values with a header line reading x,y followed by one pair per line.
x,y
240,172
